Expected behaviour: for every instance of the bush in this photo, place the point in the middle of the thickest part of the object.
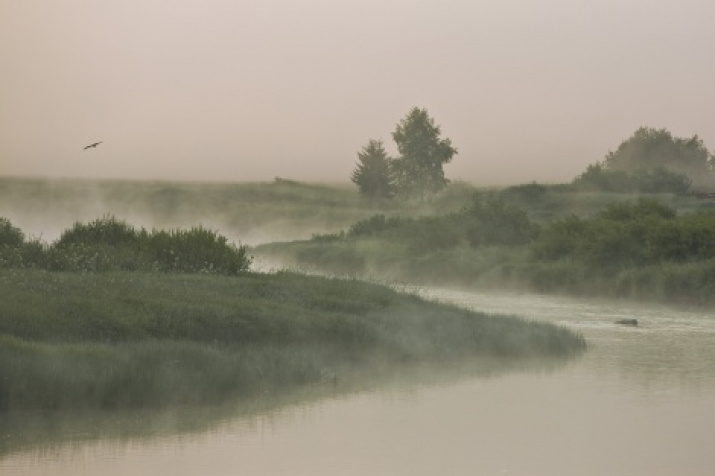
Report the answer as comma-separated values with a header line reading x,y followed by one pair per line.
x,y
494,222
197,250
110,244
658,180
107,230
629,234
377,224
10,235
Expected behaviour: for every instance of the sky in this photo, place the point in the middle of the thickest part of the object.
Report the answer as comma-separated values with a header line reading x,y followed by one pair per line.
x,y
244,90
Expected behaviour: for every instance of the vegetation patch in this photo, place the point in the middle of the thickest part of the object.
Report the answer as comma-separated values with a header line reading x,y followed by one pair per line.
x,y
136,339
109,244
627,248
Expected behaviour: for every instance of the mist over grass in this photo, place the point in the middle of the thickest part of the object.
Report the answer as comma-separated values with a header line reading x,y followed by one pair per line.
x,y
134,339
532,237
451,239
251,213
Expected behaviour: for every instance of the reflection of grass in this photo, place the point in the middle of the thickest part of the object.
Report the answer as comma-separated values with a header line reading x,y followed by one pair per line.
x,y
48,431
112,340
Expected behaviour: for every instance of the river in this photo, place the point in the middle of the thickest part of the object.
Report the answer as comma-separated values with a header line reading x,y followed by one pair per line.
x,y
640,401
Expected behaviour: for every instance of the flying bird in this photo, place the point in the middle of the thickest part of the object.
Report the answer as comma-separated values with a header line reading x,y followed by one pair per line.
x,y
90,146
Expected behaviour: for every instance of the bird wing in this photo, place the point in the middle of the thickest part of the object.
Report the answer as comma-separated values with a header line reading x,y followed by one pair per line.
x,y
92,145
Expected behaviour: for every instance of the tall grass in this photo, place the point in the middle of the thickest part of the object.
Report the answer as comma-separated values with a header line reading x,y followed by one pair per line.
x,y
133,339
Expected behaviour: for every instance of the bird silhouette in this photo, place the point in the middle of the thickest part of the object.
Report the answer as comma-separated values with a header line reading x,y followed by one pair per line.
x,y
90,146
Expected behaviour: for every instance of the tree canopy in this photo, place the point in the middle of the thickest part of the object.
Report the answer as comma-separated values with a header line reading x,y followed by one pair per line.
x,y
418,171
372,175
651,161
650,148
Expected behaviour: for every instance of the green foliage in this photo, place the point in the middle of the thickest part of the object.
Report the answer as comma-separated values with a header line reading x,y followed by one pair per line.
x,y
10,236
633,211
418,171
629,234
373,174
527,193
376,224
645,180
585,242
493,221
650,148
487,222
102,231
108,244
117,340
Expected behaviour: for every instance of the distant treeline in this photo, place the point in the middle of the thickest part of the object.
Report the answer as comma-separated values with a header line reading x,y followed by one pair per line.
x,y
110,244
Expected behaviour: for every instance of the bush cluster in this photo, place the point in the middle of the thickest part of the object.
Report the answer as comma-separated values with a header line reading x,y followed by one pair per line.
x,y
490,221
629,234
108,244
657,180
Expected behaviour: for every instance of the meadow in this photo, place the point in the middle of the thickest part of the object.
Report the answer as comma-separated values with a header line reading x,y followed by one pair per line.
x,y
111,340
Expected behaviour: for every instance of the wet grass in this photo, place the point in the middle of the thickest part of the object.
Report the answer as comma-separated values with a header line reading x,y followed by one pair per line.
x,y
135,340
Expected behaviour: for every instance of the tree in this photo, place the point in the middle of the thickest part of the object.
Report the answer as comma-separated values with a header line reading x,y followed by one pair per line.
x,y
418,171
373,173
656,180
649,149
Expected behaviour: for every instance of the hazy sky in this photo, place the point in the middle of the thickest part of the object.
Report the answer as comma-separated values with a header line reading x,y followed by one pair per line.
x,y
238,90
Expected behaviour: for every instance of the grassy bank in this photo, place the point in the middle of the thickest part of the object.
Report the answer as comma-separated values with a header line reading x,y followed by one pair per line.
x,y
135,339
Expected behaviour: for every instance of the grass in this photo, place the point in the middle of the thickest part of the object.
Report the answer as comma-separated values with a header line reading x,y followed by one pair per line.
x,y
134,340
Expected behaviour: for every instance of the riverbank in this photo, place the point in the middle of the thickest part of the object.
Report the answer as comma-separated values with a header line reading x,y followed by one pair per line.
x,y
640,250
140,339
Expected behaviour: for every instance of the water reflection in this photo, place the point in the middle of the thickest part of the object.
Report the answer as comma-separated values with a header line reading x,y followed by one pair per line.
x,y
641,401
45,435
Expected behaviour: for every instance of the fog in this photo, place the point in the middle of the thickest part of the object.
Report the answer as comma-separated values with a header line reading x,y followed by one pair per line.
x,y
249,90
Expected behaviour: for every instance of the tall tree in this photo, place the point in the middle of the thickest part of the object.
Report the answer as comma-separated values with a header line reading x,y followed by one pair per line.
x,y
419,169
650,148
373,172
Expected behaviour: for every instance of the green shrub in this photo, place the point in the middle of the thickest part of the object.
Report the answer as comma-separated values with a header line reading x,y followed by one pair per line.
x,y
10,235
107,230
377,224
493,221
108,244
657,180
629,234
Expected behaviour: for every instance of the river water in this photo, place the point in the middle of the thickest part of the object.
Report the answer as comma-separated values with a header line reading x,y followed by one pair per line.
x,y
640,401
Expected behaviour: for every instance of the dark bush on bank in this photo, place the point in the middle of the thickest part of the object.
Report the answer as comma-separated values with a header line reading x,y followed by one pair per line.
x,y
629,234
109,244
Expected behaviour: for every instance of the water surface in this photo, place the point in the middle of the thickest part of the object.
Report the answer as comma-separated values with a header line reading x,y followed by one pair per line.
x,y
641,401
